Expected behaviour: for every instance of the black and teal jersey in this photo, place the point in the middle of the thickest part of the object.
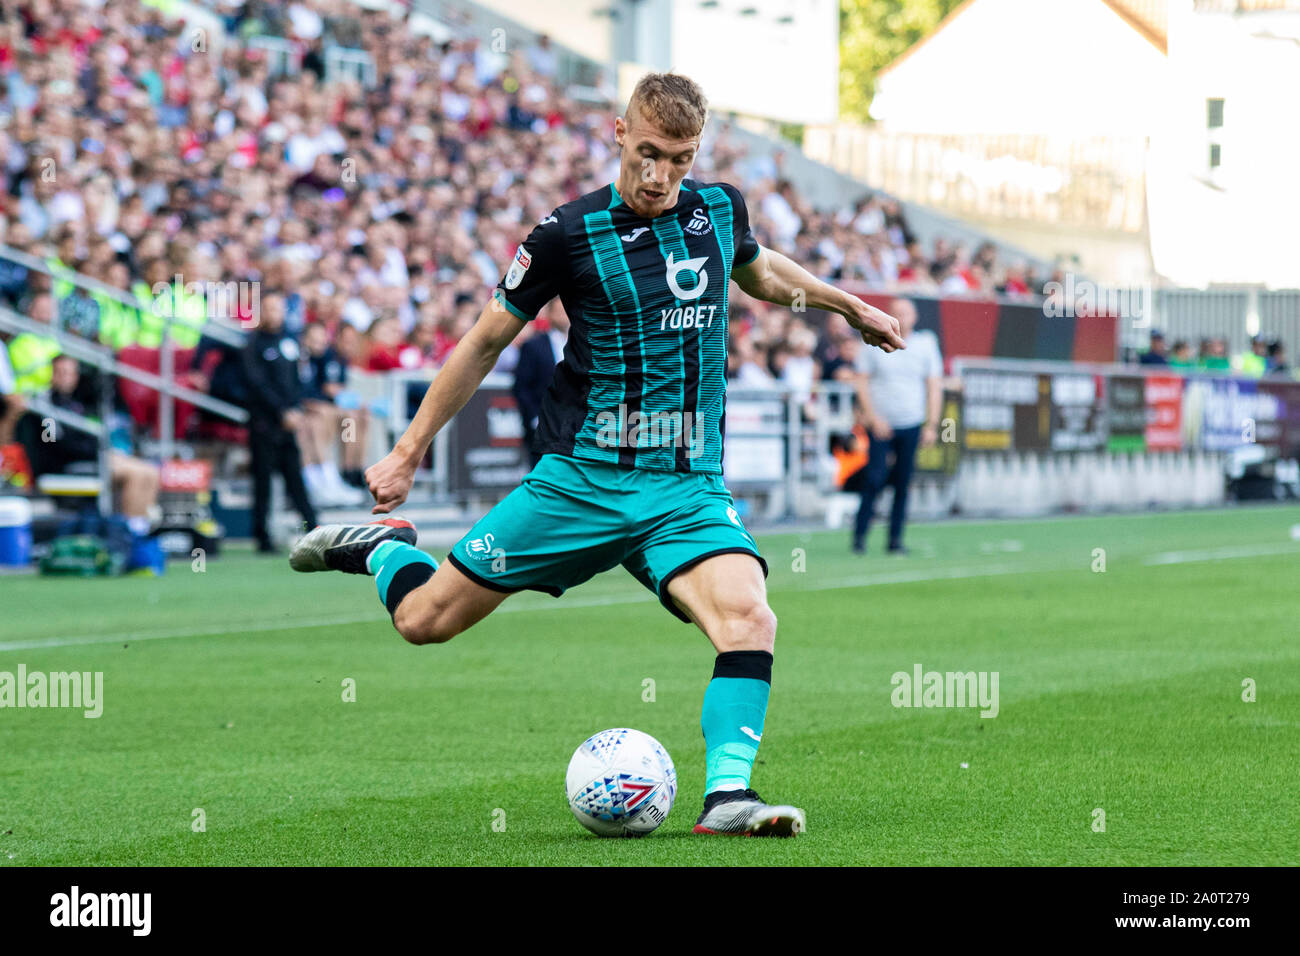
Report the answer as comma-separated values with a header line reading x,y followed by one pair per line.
x,y
643,376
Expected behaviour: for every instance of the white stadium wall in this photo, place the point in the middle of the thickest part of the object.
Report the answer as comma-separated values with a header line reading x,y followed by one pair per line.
x,y
776,60
780,62
1234,224
1069,67
577,24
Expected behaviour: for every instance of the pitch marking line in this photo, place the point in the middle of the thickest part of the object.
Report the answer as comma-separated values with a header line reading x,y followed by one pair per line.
x,y
1219,554
898,577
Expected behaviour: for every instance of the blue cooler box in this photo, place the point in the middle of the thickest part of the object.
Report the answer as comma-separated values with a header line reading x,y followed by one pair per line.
x,y
15,532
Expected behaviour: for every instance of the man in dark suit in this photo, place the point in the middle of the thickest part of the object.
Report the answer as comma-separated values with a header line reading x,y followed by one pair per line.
x,y
274,400
537,360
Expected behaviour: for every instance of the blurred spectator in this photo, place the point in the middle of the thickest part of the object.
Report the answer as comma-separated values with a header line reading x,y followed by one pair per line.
x,y
31,355
869,217
901,396
746,365
533,373
1156,353
219,371
135,481
1180,356
839,355
327,425
1253,363
350,346
1015,284
780,211
1213,355
389,348
798,368
275,394
1277,364
542,59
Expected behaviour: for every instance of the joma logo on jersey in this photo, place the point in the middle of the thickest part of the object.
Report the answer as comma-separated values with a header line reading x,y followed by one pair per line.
x,y
693,266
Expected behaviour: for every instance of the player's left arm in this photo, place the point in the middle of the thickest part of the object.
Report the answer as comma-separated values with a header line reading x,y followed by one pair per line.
x,y
773,277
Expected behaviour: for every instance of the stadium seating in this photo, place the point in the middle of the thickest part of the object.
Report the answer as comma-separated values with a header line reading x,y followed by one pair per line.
x,y
142,401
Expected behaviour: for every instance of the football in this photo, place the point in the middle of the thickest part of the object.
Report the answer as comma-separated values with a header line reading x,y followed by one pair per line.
x,y
621,782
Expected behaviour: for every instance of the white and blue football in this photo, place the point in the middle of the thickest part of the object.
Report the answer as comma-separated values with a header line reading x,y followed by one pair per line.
x,y
621,782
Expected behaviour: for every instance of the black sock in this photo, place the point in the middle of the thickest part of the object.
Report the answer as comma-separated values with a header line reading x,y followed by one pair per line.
x,y
405,581
753,664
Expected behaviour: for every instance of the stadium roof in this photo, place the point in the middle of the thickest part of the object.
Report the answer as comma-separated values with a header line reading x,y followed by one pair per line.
x,y
1148,17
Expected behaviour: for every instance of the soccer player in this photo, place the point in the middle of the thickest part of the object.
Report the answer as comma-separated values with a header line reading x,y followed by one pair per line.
x,y
630,431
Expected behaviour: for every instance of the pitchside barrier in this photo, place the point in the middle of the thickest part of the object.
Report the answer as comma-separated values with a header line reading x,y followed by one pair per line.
x,y
1006,328
777,441
1015,438
1038,437
161,385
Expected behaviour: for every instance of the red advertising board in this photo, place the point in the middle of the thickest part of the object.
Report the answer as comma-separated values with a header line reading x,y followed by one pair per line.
x,y
185,476
1164,401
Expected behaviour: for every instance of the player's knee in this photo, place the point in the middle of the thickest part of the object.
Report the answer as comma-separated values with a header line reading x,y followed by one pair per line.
x,y
765,627
425,623
751,627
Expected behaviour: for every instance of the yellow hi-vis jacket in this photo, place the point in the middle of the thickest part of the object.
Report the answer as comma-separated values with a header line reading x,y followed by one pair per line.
x,y
32,357
188,312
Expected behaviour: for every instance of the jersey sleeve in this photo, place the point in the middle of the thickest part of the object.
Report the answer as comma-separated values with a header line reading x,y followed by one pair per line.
x,y
747,247
535,273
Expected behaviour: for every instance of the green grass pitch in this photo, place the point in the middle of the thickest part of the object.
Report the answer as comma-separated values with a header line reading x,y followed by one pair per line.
x,y
1120,690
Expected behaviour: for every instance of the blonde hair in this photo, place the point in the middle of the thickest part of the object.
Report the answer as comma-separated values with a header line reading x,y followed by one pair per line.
x,y
673,102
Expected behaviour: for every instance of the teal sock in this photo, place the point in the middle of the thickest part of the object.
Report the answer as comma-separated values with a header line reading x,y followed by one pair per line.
x,y
735,706
399,568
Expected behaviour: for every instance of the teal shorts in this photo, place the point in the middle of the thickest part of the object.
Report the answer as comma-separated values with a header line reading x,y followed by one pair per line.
x,y
570,520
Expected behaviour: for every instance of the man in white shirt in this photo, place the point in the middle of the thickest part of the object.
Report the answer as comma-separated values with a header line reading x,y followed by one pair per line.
x,y
901,395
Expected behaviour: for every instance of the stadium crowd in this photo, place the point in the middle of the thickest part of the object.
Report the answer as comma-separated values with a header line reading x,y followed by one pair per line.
x,y
148,155
1262,359
138,149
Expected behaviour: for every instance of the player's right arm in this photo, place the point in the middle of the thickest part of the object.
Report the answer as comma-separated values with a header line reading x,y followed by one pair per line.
x,y
777,278
768,275
390,479
539,265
